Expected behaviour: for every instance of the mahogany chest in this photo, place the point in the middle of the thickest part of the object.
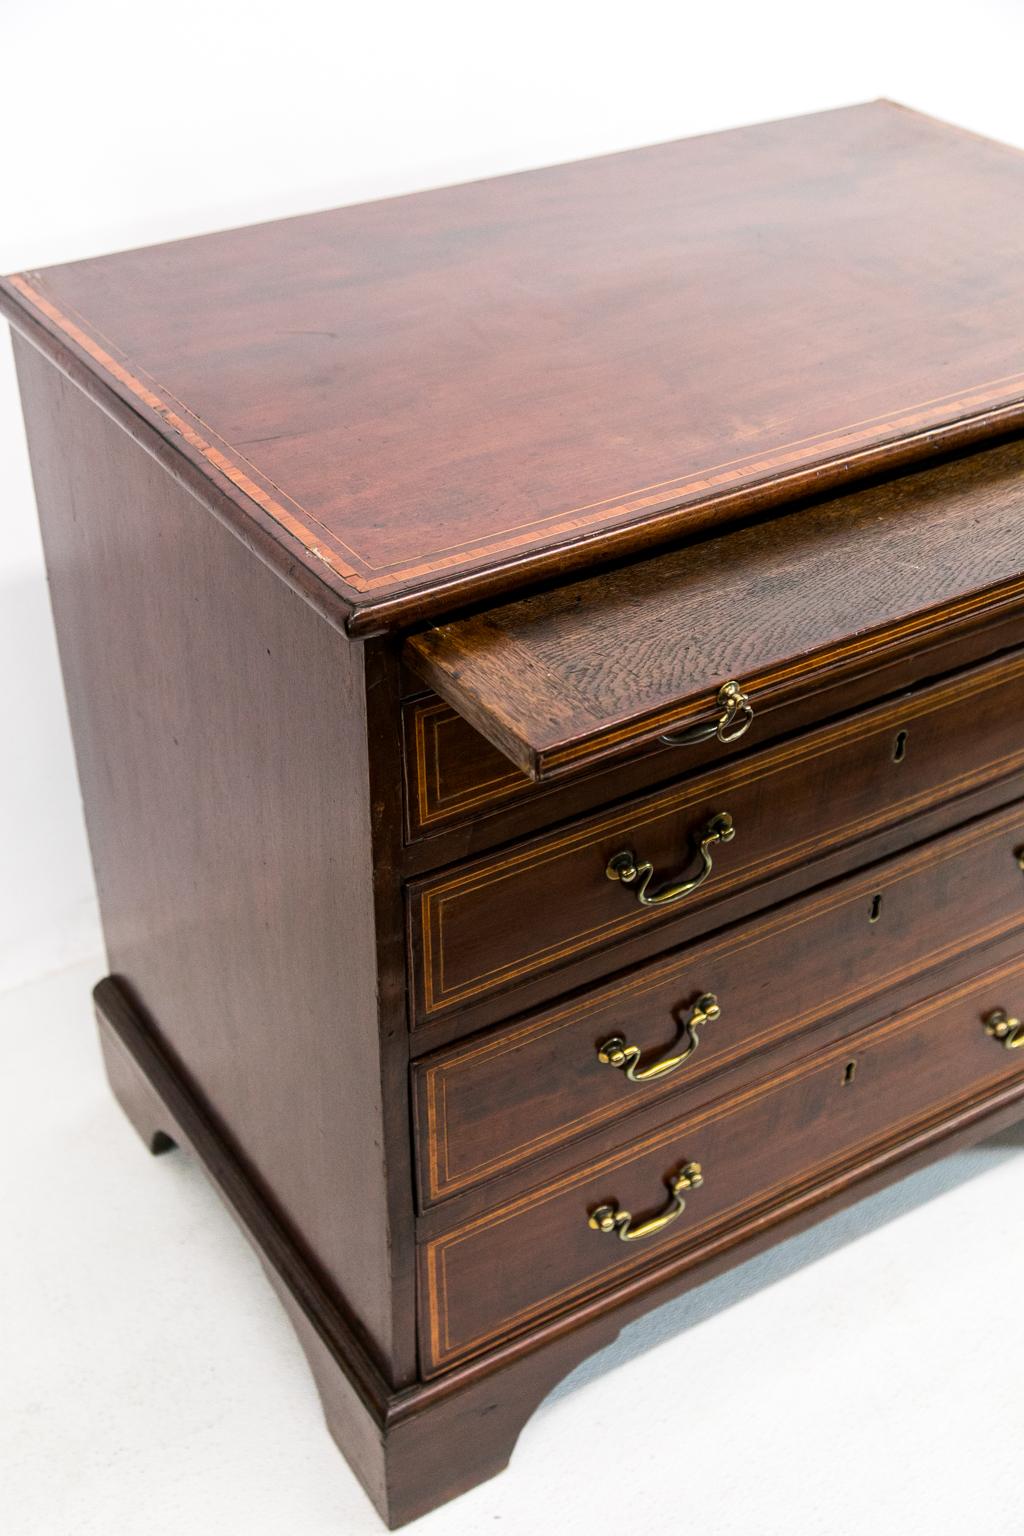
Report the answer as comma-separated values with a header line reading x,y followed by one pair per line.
x,y
546,663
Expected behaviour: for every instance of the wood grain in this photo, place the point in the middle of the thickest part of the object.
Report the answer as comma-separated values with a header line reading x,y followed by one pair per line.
x,y
463,795
518,1263
498,921
480,1406
221,734
500,1099
431,398
450,771
593,669
248,444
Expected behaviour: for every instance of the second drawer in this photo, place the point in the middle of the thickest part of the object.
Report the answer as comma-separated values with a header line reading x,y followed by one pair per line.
x,y
488,1104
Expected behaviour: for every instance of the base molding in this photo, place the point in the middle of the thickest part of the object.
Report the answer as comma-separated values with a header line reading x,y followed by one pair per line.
x,y
390,1435
166,1113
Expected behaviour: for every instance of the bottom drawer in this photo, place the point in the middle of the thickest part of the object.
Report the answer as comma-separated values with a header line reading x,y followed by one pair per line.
x,y
500,1272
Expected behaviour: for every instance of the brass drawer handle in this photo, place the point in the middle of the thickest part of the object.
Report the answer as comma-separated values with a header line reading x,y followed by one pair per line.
x,y
1009,1032
616,1053
735,715
608,1218
623,866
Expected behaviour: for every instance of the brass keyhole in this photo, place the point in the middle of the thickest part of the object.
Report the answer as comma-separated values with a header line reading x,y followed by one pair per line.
x,y
849,1071
876,908
899,747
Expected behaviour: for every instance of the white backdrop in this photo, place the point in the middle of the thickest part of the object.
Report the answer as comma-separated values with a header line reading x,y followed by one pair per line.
x,y
124,124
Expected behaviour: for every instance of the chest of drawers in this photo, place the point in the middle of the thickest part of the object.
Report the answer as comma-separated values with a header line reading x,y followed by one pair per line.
x,y
546,663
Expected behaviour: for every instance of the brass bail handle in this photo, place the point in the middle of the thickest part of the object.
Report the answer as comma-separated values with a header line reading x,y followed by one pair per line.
x,y
624,866
1008,1031
610,1219
616,1053
735,714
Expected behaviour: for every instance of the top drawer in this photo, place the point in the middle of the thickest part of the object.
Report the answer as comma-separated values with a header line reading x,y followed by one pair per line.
x,y
498,921
595,670
455,779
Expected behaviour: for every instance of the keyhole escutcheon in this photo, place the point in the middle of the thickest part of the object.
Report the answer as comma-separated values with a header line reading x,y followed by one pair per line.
x,y
875,911
899,746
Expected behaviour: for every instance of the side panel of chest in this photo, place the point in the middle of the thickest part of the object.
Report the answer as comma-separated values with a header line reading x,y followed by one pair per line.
x,y
221,734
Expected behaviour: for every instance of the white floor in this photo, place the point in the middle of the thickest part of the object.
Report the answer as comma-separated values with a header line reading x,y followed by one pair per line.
x,y
149,1385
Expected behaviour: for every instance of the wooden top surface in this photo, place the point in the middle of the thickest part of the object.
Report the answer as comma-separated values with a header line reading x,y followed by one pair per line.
x,y
434,398
595,668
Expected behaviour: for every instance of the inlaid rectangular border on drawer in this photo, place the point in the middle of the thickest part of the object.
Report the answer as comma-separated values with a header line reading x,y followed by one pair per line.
x,y
968,881
972,1062
435,796
474,930
453,778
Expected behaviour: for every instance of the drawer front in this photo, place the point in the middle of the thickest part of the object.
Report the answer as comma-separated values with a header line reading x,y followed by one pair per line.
x,y
454,776
502,1272
451,771
497,921
489,1104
